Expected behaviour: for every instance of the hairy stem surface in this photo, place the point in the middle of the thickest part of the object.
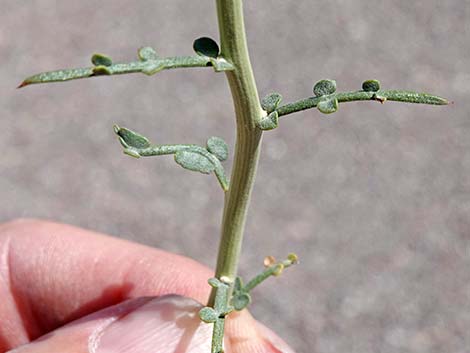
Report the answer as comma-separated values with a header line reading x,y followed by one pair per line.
x,y
248,141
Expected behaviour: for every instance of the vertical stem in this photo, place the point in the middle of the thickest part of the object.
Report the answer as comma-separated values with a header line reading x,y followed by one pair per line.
x,y
248,141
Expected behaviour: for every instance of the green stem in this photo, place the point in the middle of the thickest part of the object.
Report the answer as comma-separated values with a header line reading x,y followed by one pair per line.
x,y
148,67
248,111
273,270
380,96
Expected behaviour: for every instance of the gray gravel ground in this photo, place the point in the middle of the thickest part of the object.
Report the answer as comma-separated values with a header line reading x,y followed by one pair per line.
x,y
375,199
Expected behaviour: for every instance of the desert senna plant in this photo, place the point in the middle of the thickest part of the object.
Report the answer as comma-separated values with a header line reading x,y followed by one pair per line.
x,y
253,117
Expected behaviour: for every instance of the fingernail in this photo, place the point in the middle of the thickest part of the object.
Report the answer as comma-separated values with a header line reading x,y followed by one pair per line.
x,y
162,325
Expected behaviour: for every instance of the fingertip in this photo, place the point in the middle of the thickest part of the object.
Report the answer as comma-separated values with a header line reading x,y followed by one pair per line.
x,y
97,271
274,342
18,223
168,324
246,335
167,274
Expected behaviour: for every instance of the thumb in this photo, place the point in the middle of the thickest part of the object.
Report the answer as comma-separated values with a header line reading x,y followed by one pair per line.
x,y
154,325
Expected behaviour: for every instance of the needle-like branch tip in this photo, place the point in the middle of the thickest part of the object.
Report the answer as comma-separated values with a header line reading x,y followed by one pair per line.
x,y
22,84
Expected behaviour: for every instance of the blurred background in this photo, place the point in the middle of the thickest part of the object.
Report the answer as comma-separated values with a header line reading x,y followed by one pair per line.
x,y
375,199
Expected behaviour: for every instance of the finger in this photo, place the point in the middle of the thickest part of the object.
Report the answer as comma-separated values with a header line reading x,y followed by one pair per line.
x,y
52,274
168,324
164,324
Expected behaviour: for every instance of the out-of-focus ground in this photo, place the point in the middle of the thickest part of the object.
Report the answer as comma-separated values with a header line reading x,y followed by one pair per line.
x,y
375,199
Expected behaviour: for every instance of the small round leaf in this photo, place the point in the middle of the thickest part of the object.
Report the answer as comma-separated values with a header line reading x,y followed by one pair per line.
x,y
208,315
214,282
218,148
194,161
101,70
270,122
152,67
206,47
324,87
240,301
271,101
130,138
371,85
101,60
328,106
147,53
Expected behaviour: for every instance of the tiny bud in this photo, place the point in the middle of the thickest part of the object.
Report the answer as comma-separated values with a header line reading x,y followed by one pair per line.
x,y
293,258
269,261
278,270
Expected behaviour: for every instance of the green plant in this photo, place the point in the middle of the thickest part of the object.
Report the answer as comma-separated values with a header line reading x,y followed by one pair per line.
x,y
252,117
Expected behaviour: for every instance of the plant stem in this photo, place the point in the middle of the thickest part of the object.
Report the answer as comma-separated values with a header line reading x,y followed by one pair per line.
x,y
148,67
248,110
380,96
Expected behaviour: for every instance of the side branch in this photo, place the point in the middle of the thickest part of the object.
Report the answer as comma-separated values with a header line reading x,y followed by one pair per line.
x,y
149,63
191,157
379,96
327,100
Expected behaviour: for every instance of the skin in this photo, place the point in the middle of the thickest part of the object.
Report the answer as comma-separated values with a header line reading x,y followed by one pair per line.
x,y
60,285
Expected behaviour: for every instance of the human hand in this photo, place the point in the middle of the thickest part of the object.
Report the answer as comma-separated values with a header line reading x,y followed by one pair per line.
x,y
69,290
